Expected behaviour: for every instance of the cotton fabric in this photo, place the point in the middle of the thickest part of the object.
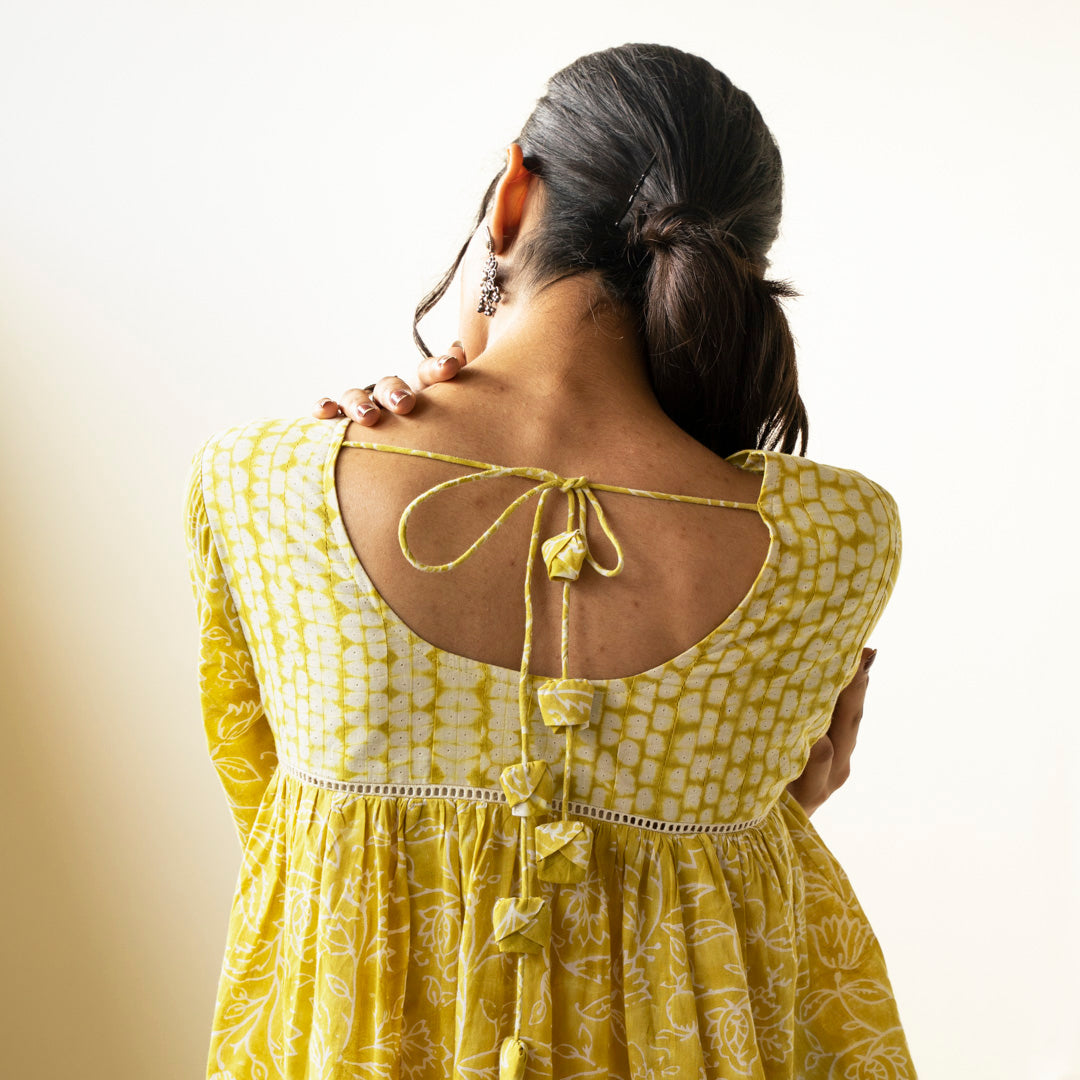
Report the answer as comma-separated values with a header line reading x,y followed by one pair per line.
x,y
712,934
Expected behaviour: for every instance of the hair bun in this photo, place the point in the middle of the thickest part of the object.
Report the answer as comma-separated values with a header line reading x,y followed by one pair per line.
x,y
662,227
681,225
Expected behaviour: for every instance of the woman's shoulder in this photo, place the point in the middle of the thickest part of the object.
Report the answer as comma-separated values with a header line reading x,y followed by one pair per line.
x,y
822,488
239,459
843,512
241,441
831,511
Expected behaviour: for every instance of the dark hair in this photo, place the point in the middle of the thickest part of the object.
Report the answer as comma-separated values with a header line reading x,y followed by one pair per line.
x,y
688,254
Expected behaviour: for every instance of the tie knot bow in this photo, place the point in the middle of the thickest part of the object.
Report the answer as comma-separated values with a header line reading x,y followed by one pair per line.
x,y
574,483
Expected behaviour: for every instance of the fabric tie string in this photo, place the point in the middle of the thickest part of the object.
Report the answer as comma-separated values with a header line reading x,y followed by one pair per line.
x,y
522,924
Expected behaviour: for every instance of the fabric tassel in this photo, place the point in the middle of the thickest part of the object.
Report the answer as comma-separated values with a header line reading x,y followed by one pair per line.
x,y
512,1058
564,555
522,924
563,849
566,702
528,787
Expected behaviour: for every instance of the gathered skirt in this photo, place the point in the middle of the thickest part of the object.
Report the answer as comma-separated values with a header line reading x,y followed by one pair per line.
x,y
360,945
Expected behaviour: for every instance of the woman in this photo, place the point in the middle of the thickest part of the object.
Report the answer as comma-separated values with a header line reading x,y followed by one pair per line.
x,y
475,847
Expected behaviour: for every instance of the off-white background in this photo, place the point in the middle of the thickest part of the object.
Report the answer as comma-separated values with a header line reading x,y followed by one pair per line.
x,y
215,211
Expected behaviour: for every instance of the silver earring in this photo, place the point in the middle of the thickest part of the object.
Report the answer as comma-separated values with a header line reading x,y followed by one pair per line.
x,y
489,291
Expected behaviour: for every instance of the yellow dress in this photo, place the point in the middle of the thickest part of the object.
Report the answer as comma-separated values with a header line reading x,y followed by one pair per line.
x,y
455,871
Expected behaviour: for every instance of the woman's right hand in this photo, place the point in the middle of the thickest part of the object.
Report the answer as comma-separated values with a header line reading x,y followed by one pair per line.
x,y
390,392
829,764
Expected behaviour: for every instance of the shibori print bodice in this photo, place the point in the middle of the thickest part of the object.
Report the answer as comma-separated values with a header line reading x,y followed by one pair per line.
x,y
559,850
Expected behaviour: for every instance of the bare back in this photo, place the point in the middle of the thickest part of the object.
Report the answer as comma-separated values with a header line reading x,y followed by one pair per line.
x,y
687,567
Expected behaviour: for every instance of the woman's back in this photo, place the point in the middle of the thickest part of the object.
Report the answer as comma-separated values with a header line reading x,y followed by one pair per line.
x,y
687,566
680,914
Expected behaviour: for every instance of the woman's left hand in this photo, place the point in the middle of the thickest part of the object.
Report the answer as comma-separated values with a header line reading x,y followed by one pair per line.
x,y
829,764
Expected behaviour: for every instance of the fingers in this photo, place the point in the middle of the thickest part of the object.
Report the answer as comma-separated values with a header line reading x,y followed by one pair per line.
x,y
814,784
851,697
844,728
356,404
389,393
440,368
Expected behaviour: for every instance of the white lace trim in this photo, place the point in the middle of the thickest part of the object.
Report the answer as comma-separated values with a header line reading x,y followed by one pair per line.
x,y
490,795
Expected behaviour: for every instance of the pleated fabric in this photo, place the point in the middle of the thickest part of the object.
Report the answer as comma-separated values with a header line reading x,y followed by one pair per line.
x,y
712,934
360,946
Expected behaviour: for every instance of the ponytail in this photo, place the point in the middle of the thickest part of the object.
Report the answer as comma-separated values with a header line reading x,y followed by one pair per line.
x,y
721,354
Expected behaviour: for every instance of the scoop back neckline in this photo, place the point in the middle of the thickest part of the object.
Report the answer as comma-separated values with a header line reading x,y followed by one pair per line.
x,y
360,577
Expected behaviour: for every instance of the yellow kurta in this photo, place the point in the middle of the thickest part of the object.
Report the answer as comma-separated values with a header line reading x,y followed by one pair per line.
x,y
455,870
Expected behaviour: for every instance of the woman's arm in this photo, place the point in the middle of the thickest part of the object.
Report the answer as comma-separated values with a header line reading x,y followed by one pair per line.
x,y
238,734
829,764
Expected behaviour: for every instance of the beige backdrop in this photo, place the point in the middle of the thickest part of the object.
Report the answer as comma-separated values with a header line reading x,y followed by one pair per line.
x,y
216,211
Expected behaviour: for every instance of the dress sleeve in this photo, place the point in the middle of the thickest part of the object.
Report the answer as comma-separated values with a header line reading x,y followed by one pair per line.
x,y
888,545
238,733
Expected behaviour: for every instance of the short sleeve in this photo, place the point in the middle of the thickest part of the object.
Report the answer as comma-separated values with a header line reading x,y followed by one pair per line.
x,y
238,733
888,544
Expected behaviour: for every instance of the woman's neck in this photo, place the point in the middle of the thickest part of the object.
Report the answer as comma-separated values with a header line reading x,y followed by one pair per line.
x,y
561,360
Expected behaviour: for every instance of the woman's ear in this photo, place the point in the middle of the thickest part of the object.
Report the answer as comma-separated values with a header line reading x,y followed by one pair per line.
x,y
509,201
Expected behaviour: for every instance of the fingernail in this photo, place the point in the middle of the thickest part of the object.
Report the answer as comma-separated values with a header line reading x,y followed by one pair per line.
x,y
323,402
457,345
398,396
869,660
446,361
363,410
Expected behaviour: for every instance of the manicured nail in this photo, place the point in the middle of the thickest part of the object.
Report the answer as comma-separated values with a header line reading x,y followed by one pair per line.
x,y
363,410
446,361
323,402
869,660
398,396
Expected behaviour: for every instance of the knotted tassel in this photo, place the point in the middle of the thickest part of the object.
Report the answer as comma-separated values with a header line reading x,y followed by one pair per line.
x,y
563,849
528,787
564,555
512,1059
566,701
522,924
